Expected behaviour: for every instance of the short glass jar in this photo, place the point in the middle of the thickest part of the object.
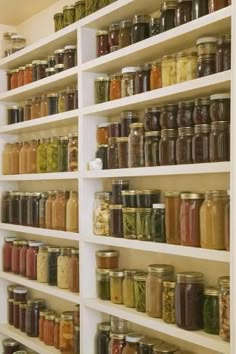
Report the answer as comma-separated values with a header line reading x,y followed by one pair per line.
x,y
220,107
167,147
140,291
103,284
168,10
10,346
215,5
151,119
140,28
206,65
112,154
107,259
147,344
211,310
70,59
115,87
132,343
114,130
200,143
151,148
168,70
116,220
59,56
168,301
155,75
168,116
113,36
219,141
158,223
101,214
117,343
102,43
116,286
172,206
125,33
136,145
66,332
224,307
128,81
201,111
186,66
101,87
184,146
118,325
68,15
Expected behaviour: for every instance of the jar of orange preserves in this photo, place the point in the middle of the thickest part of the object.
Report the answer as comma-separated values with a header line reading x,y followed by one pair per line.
x,y
155,75
57,333
67,333
28,74
21,76
48,330
115,87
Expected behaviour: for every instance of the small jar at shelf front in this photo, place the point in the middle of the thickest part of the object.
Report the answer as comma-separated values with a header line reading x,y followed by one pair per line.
x,y
5,207
23,165
20,293
63,268
132,343
59,56
167,147
116,286
129,223
223,53
168,301
189,300
220,107
102,43
211,310
219,141
7,253
184,146
79,10
172,219
53,254
168,70
201,111
224,307
140,291
21,76
31,259
15,260
73,153
136,145
10,346
183,12
143,224
14,211
48,331
32,316
103,283
168,10
59,211
190,219
66,333
74,271
14,78
114,130
155,75
23,252
52,155
103,337
42,315
128,287
101,214
140,28
200,143
72,212
117,343
158,233
128,81
116,220
151,148
48,209
32,157
107,259
206,65
42,264
118,325
101,89
42,155
70,57
115,87
142,79
157,273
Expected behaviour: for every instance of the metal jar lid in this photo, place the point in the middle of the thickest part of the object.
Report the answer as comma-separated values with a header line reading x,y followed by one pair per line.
x,y
160,268
185,131
168,5
140,276
202,128
220,96
133,337
158,206
192,196
211,291
117,273
152,133
107,253
188,277
104,326
169,133
206,40
149,342
141,19
67,315
101,33
172,194
9,342
165,348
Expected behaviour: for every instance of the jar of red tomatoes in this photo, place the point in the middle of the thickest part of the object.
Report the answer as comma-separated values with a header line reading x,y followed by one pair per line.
x,y
31,259
7,253
23,251
15,260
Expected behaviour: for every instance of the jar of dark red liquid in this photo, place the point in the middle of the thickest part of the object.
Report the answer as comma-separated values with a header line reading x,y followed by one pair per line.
x,y
7,253
127,118
183,12
167,147
16,313
117,187
69,57
114,130
23,251
140,28
102,43
32,316
20,293
168,9
5,207
151,119
116,220
31,259
223,53
168,117
219,141
22,313
189,300
200,143
201,111
15,208
15,260
10,311
184,146
142,79
220,107
113,36
10,346
185,114
112,154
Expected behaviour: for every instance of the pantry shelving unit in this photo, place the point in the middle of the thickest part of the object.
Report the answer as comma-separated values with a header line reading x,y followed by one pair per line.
x,y
199,177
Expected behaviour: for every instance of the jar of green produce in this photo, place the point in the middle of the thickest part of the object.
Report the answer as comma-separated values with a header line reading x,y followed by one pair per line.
x,y
116,286
63,154
52,155
42,155
158,223
129,223
68,15
61,102
143,224
79,10
91,6
128,287
101,89
103,3
103,284
168,301
211,310
58,21
140,291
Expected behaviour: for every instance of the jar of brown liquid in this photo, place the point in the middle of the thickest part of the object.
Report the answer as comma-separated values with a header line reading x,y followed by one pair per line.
x,y
48,209
6,169
32,157
23,158
59,211
14,158
72,212
172,220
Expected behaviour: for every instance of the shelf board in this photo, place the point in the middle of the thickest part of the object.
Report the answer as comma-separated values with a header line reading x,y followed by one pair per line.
x,y
188,90
40,177
53,121
179,38
65,235
55,82
164,248
30,342
43,287
202,168
196,337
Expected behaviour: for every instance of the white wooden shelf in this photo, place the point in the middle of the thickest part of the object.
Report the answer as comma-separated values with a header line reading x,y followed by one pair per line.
x,y
201,87
203,168
164,248
179,38
43,287
54,82
40,177
30,342
196,337
65,235
53,121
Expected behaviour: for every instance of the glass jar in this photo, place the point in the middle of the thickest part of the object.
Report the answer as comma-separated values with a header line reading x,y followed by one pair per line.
x,y
206,65
68,15
168,301
48,209
151,148
52,155
220,107
201,111
34,69
8,73
168,9
227,226
112,154
52,102
186,65
7,253
15,259
118,325
102,43
40,69
190,219
224,307
51,62
122,149
116,286
114,130
36,108
206,46
102,133
155,26
28,74
128,287
31,259
58,68
57,333
136,145
53,254
107,259
66,332
71,97
33,210
155,75
168,70
58,21
132,343
172,205
116,220
212,220
14,114
32,316
219,142
5,207
28,110
103,337
127,118
115,87
15,208
32,156
70,57
117,343
23,252
118,185
199,8
10,312
157,273
158,223
6,46
140,28
101,86
6,159
44,106
200,143
125,33
147,344
103,284
22,313
63,268
49,324
151,119
167,147
59,56
129,223
101,214
63,154
183,13
140,291
42,155
211,310
77,340
74,271
14,78
59,211
143,224
24,206
79,10
128,81
223,53
10,346
73,153
215,5
184,146
72,212
17,43
42,264
189,300
21,76
61,102
14,158
129,198
165,348
142,79
113,37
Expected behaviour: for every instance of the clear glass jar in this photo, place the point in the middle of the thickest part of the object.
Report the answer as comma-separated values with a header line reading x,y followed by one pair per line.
x,y
129,223
127,118
42,264
185,114
61,102
147,197
215,5
151,148
6,46
10,346
28,110
15,114
66,332
158,223
211,310
33,209
118,185
49,324
220,107
206,46
168,116
63,154
201,111
6,169
113,36
184,146
132,343
125,33
70,59
57,332
223,53
136,145
101,87
42,155
32,156
172,206
157,273
112,154
53,254
48,209
186,66
212,220
44,106
200,143
68,15
114,130
165,348
122,149
31,259
14,210
79,10
117,343
23,252
116,286
74,271
143,224
73,153
128,81
52,155
21,76
32,316
101,214
103,337
167,147
155,75
36,108
140,291
28,74
128,287
206,65
102,133
183,13
118,325
147,344
72,212
199,8
59,56
103,284
189,300
219,141
168,10
168,70
63,268
7,253
115,87
22,313
142,79
59,211
15,259
224,307
151,119
116,220
58,21
40,69
140,28
102,43
5,207
168,301
52,103
24,206
17,43
14,158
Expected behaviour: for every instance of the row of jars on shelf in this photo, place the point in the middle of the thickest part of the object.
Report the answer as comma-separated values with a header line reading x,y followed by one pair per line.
x,y
31,316
44,105
213,56
57,210
173,13
63,59
46,264
56,154
176,299
12,43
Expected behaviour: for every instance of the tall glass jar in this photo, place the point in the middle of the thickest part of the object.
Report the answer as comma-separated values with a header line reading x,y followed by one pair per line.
x,y
32,316
189,300
63,268
101,88
31,259
183,12
63,154
101,214
172,205
168,15
136,145
53,254
15,259
112,154
128,81
212,220
24,206
6,169
42,264
128,287
52,155
157,273
168,301
211,310
14,210
184,146
7,253
23,253
115,87
5,207
223,53
125,33
23,165
59,211
224,307
73,153
155,75
167,147
158,233
116,286
103,337
57,333
140,291
116,220
72,212
140,28
168,70
199,8
42,210
200,143
129,223
143,224
48,209
186,66
66,333
103,284
117,343
68,15
201,111
79,10
74,271
219,141
14,158
32,157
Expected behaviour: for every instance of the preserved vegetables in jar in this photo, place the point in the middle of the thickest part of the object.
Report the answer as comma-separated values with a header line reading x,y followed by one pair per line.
x,y
52,103
48,209
125,33
147,344
167,147
63,268
183,13
128,287
132,343
201,111
129,223
107,259
103,337
184,146
72,212
224,307
116,286
102,133
68,15
74,271
101,87
158,223
168,301
200,143
22,313
117,187
168,9
186,66
114,130
59,211
73,153
103,284
24,206
128,81
63,154
42,155
143,224
168,70
10,312
223,53
172,206
42,264
211,310
220,107
31,259
219,141
116,220
66,332
53,254
140,28
21,76
136,145
52,155
129,198
79,10
102,43
140,291
101,214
